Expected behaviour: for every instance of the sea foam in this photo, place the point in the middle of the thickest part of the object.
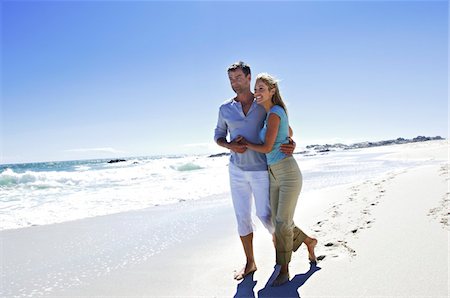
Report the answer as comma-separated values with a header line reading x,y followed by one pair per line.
x,y
35,196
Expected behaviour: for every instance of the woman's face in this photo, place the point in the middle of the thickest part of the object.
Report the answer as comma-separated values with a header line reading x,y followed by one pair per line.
x,y
262,92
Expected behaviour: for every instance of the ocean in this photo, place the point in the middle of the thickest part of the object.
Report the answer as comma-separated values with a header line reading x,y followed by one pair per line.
x,y
52,192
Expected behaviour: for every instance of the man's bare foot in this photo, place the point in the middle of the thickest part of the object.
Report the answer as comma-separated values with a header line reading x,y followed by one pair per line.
x,y
282,278
311,244
249,268
274,240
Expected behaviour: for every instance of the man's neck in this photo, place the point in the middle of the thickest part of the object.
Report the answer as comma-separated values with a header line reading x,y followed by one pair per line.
x,y
245,98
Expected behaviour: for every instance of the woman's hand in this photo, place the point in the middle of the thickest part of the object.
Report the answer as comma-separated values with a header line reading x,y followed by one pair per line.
x,y
241,140
236,146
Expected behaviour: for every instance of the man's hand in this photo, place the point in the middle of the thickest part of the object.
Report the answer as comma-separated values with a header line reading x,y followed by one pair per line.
x,y
237,146
288,149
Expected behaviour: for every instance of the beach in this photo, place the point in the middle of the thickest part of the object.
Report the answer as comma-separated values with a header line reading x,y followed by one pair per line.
x,y
381,233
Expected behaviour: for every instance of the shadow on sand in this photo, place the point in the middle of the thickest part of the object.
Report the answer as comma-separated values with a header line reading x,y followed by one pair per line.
x,y
245,287
290,289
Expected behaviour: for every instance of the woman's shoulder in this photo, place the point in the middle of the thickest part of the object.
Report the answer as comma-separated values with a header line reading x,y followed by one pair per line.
x,y
276,109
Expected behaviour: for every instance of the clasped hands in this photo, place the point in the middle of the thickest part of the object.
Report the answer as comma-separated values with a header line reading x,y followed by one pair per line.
x,y
239,145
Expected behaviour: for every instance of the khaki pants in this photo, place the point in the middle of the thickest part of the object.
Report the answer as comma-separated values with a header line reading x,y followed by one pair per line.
x,y
285,187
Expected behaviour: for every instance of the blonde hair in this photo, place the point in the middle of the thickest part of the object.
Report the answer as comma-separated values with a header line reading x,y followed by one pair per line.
x,y
272,83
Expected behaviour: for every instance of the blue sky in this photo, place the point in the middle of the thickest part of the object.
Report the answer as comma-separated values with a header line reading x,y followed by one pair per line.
x,y
101,79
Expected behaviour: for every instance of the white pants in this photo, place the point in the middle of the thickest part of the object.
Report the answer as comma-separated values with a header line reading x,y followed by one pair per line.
x,y
243,184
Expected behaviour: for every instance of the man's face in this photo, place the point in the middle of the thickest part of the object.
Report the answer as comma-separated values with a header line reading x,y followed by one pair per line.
x,y
239,82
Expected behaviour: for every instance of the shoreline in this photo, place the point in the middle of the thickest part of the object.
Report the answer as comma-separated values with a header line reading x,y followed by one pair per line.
x,y
72,206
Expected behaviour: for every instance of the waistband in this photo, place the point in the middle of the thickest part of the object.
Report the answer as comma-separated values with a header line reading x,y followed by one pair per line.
x,y
281,163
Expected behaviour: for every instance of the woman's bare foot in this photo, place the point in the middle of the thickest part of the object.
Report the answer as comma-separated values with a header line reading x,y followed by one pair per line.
x,y
282,278
249,268
311,244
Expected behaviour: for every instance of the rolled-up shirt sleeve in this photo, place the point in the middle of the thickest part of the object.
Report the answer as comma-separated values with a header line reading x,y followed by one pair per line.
x,y
221,127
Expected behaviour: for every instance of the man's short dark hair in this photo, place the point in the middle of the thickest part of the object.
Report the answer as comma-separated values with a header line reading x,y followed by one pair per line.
x,y
240,65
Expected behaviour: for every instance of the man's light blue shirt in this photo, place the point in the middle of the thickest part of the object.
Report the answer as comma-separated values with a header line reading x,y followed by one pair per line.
x,y
232,121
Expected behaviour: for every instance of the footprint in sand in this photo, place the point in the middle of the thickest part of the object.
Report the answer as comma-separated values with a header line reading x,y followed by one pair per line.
x,y
321,223
368,224
360,200
350,250
365,211
441,212
335,213
444,171
337,249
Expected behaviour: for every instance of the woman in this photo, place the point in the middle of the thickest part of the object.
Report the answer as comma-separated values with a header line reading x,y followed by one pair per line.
x,y
285,175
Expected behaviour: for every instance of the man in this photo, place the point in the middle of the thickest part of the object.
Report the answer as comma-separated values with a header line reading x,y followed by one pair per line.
x,y
242,116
